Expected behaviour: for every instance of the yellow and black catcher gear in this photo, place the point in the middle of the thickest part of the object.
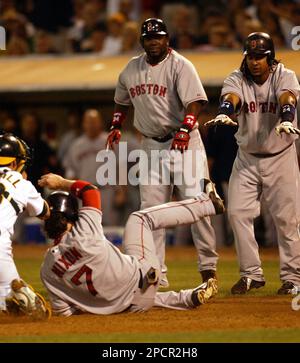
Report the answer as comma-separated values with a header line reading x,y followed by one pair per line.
x,y
14,149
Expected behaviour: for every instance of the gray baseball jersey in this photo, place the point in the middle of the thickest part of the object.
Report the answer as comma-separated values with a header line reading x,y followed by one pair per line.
x,y
87,271
159,93
265,167
259,113
80,161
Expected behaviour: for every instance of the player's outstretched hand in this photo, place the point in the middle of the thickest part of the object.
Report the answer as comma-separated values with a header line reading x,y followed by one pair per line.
x,y
286,127
113,138
51,181
221,120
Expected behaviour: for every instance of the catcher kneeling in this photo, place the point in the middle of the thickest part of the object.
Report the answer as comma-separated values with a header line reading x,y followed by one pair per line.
x,y
17,194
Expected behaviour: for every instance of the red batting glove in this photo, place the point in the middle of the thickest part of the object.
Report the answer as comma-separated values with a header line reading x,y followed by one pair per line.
x,y
113,138
181,141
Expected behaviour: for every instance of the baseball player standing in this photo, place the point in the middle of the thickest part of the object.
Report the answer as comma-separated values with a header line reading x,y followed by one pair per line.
x,y
84,272
167,95
263,94
16,194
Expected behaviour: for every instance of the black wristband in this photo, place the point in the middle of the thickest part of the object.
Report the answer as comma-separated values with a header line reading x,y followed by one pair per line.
x,y
115,127
226,108
184,129
287,113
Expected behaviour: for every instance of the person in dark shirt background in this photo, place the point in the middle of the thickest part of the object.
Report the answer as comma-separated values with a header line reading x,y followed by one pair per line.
x,y
221,149
45,159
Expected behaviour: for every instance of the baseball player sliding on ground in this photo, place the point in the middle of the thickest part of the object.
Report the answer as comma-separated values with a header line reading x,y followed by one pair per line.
x,y
263,94
84,272
16,194
167,95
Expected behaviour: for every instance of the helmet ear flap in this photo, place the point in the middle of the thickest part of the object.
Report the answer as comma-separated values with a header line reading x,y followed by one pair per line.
x,y
270,60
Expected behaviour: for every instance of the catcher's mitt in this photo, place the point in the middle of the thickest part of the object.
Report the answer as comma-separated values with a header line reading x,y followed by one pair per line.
x,y
25,301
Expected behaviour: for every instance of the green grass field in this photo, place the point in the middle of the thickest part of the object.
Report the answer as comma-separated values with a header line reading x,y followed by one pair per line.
x,y
261,316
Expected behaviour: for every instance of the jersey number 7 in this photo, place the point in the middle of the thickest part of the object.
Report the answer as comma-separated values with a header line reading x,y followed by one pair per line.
x,y
89,283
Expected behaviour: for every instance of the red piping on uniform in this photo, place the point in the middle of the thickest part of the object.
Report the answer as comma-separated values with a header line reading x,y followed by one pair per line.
x,y
142,239
180,205
143,221
167,56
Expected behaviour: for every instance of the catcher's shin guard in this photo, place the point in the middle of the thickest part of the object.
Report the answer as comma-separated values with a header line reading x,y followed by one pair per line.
x,y
25,301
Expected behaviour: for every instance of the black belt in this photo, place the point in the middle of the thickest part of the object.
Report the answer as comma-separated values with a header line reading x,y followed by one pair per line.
x,y
269,155
164,138
141,279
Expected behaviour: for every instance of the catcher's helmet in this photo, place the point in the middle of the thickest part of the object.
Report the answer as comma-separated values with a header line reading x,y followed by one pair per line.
x,y
65,203
12,148
153,26
259,43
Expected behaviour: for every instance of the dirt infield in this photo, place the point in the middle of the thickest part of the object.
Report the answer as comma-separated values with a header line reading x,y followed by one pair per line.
x,y
224,313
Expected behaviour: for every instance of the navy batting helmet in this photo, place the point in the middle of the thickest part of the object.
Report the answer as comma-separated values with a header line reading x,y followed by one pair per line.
x,y
153,26
259,43
65,203
12,148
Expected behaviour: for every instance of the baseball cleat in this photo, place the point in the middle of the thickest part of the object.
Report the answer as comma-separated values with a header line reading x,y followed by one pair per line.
x,y
204,292
210,190
25,301
163,282
287,288
246,284
208,274
152,276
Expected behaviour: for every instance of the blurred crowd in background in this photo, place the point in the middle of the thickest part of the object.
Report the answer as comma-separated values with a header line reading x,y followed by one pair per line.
x,y
73,155
111,27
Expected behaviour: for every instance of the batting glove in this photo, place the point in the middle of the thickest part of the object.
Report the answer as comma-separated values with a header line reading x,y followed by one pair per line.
x,y
286,127
221,119
181,141
113,138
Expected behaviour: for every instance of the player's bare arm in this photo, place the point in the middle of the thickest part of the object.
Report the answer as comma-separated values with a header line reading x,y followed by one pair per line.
x,y
119,116
55,182
229,104
86,191
288,104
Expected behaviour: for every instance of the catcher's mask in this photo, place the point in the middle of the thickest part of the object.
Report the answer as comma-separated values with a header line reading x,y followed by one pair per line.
x,y
12,149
